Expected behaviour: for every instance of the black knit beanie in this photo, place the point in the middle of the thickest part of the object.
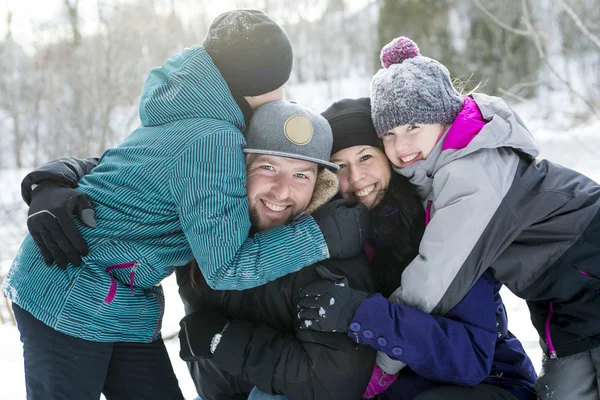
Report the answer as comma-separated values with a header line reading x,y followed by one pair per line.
x,y
252,52
351,124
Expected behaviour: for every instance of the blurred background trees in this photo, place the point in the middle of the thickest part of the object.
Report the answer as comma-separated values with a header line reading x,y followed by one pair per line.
x,y
73,88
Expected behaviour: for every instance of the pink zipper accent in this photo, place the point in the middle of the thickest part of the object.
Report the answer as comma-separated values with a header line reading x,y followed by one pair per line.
x,y
120,266
551,349
584,273
428,212
112,291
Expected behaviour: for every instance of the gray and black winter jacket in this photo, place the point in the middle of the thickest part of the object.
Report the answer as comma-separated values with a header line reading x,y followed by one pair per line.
x,y
494,206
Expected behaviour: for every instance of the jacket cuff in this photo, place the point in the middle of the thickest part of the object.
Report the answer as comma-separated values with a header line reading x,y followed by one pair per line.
x,y
317,239
33,179
65,171
230,353
368,328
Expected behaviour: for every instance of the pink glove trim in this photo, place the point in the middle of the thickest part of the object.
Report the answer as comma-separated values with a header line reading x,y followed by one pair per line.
x,y
380,381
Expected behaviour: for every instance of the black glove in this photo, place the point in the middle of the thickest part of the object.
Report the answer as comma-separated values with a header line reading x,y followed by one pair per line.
x,y
328,305
197,332
345,226
51,223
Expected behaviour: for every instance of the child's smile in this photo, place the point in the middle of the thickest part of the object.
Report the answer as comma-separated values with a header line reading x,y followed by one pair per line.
x,y
406,160
405,145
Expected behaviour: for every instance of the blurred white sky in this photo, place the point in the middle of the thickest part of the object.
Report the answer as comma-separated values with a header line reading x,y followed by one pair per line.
x,y
30,17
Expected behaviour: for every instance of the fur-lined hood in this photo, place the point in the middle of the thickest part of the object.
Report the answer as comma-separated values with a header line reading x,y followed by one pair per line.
x,y
326,188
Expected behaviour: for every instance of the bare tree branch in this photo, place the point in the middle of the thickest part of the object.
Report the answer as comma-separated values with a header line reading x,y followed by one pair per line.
x,y
511,95
9,17
73,11
593,38
571,89
522,85
538,45
533,34
499,22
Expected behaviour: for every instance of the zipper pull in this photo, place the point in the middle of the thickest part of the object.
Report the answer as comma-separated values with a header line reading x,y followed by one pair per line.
x,y
382,379
132,276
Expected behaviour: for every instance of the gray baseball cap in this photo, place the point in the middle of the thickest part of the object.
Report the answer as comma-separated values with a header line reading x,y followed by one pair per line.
x,y
286,129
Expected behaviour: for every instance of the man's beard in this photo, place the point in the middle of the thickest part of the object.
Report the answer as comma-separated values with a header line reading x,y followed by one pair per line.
x,y
261,222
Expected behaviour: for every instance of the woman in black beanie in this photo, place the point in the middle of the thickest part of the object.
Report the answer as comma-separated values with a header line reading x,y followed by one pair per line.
x,y
397,214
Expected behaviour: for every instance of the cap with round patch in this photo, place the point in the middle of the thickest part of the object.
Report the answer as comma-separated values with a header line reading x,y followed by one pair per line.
x,y
287,129
298,129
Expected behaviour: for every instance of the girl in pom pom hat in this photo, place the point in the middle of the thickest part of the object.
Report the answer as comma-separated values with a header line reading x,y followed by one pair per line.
x,y
491,206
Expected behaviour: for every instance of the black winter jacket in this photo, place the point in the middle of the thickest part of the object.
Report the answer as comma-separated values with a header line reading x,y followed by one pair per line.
x,y
263,349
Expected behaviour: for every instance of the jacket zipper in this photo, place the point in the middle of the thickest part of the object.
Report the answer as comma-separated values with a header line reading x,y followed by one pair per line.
x,y
187,338
551,350
159,323
428,212
587,274
132,276
382,379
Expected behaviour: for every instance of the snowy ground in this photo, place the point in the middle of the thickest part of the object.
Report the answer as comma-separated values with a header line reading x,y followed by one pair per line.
x,y
574,147
11,356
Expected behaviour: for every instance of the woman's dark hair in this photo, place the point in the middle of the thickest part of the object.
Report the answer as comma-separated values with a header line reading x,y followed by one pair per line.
x,y
193,289
190,277
197,279
397,226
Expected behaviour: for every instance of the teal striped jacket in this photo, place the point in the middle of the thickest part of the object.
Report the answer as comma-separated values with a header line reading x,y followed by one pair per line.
x,y
175,189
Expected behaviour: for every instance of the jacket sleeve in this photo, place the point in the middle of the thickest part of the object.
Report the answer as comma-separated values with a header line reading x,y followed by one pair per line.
x,y
471,225
455,349
302,365
65,170
209,192
212,383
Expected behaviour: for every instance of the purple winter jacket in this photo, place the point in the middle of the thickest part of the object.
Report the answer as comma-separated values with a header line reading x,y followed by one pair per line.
x,y
471,344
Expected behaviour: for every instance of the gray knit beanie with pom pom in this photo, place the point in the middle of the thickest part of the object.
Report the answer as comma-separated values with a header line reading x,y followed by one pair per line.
x,y
411,89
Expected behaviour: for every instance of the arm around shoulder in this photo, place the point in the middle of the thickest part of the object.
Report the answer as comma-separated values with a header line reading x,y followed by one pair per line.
x,y
65,170
208,185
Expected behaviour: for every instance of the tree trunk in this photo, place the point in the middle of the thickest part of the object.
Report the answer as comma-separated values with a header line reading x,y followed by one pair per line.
x,y
18,142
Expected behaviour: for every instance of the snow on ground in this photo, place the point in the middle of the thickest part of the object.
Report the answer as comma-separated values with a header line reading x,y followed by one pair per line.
x,y
574,147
